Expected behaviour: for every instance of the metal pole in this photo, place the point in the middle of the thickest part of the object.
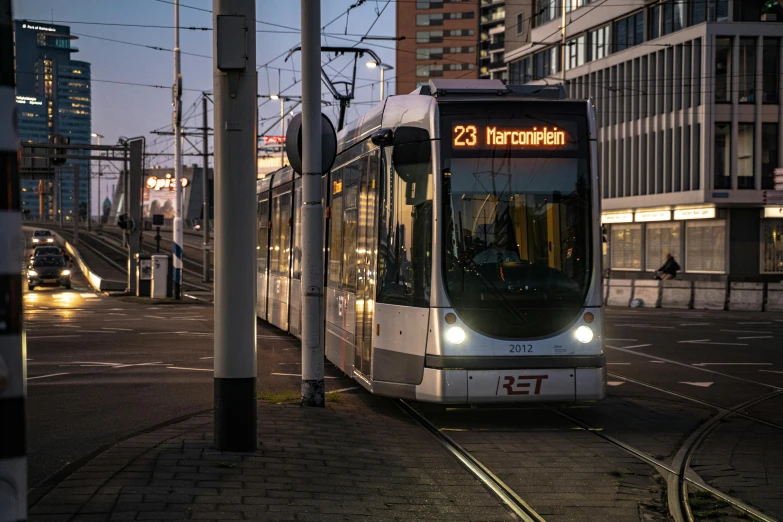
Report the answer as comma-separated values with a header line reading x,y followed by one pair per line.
x,y
563,45
235,84
312,212
76,213
205,195
282,131
60,194
89,200
383,70
177,228
100,201
13,370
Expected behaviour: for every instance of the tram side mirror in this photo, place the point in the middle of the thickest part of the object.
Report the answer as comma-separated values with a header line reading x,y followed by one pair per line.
x,y
382,137
412,159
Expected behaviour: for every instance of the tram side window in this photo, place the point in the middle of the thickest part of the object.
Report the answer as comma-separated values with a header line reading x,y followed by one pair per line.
x,y
405,242
349,236
297,261
281,213
262,241
335,228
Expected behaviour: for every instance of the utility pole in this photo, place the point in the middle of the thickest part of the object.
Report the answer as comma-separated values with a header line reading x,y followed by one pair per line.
x,y
563,44
205,194
100,201
13,458
312,212
76,203
177,123
235,126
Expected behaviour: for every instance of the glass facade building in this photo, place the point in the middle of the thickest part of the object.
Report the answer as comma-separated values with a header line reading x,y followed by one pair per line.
x,y
61,89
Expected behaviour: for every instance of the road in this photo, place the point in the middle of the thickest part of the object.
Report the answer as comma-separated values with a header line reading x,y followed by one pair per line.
x,y
102,368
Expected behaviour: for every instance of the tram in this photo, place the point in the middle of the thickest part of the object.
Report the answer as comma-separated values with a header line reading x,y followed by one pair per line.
x,y
462,258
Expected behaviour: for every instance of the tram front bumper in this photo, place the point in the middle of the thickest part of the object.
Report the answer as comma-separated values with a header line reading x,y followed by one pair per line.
x,y
463,386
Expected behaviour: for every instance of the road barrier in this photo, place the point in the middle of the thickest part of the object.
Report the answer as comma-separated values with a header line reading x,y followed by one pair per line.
x,y
648,292
709,295
620,292
747,296
677,294
774,297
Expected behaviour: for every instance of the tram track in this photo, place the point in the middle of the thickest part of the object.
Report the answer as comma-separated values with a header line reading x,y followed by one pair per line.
x,y
503,492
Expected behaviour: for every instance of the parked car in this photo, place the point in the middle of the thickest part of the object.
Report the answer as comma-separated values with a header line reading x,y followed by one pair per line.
x,y
49,271
42,237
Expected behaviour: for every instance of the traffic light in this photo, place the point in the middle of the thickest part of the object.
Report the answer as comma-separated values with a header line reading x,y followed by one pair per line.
x,y
59,139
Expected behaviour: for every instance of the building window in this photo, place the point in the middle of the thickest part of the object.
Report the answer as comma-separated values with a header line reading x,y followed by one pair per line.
x,y
723,70
575,52
429,4
722,155
772,246
626,247
698,11
520,21
771,69
432,70
718,10
673,16
705,246
545,11
654,22
661,239
599,43
429,19
629,31
747,70
769,154
429,36
745,160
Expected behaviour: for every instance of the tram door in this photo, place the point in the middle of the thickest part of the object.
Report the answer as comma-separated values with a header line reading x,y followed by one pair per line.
x,y
366,260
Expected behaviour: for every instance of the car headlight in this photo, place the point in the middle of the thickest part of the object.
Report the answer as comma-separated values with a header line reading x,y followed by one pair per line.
x,y
35,240
455,335
66,272
50,240
32,273
584,334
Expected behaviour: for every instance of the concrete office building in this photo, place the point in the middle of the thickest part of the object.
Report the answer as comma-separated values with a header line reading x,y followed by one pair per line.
x,y
441,39
492,33
46,71
689,113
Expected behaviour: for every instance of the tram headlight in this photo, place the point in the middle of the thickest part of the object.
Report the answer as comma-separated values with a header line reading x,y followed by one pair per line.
x,y
584,334
455,335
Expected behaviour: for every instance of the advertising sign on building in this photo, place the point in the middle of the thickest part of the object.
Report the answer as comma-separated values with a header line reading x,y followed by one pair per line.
x,y
159,195
772,197
778,179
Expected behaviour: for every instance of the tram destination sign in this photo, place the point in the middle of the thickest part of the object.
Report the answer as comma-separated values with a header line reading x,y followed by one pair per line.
x,y
513,135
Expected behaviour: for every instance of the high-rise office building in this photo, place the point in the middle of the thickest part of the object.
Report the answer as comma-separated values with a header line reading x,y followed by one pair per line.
x,y
46,73
441,40
492,33
690,121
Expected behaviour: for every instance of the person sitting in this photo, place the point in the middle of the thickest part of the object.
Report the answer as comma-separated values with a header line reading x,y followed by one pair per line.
x,y
669,268
496,254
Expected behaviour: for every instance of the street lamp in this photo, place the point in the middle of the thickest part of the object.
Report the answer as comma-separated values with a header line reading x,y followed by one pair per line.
x,y
89,190
383,67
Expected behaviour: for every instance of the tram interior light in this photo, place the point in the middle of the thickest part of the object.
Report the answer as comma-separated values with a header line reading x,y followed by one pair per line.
x,y
584,334
455,335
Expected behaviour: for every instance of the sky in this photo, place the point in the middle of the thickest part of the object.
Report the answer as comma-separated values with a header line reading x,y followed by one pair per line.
x,y
132,110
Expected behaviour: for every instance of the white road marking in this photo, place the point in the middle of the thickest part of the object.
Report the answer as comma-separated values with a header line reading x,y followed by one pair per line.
x,y
45,376
757,337
614,383
206,357
137,364
699,384
99,331
633,324
755,322
273,337
707,341
624,364
115,313
155,333
299,375
732,364
194,369
646,326
50,336
694,324
118,329
637,346
344,389
633,340
657,362
745,331
770,371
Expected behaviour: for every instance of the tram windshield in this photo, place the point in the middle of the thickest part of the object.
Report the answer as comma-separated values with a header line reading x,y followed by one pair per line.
x,y
517,221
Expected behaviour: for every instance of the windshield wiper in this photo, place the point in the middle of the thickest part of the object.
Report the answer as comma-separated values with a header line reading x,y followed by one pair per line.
x,y
494,290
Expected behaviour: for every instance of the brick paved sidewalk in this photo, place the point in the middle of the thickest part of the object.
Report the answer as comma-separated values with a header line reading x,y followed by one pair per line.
x,y
357,459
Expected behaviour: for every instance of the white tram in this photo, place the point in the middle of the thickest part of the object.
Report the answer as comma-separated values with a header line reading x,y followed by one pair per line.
x,y
463,248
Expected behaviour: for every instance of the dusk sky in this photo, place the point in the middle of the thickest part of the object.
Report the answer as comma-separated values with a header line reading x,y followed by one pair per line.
x,y
127,110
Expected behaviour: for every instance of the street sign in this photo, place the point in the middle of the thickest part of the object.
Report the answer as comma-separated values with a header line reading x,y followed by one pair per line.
x,y
772,197
293,144
268,140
